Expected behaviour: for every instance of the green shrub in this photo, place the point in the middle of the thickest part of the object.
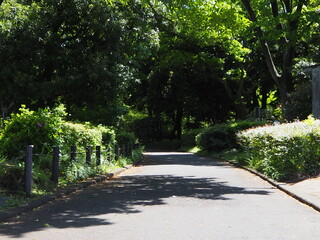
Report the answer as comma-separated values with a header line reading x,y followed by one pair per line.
x,y
76,171
300,102
124,138
11,176
80,135
285,151
222,136
40,128
216,138
188,138
108,135
44,129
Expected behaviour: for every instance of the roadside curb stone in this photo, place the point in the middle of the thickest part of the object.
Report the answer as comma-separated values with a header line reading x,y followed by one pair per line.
x,y
284,187
36,203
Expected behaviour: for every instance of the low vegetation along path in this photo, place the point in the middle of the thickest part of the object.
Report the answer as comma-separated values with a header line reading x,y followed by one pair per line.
x,y
172,196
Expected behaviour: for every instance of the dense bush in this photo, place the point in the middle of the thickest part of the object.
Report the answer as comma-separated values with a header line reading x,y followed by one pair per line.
x,y
188,138
80,135
108,135
42,128
46,128
11,176
222,136
300,100
285,151
124,138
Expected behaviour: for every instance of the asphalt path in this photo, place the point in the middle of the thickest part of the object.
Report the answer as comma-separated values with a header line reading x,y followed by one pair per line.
x,y
172,196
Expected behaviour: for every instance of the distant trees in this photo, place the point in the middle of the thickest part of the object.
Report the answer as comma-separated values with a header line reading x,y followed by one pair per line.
x,y
181,63
70,50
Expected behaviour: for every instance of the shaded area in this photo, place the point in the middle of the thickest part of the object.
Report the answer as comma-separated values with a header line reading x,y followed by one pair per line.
x,y
124,195
179,158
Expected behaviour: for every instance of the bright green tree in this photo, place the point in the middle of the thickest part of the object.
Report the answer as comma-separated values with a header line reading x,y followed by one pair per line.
x,y
281,27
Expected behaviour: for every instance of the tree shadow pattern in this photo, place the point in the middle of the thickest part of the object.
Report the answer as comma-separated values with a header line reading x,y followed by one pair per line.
x,y
121,195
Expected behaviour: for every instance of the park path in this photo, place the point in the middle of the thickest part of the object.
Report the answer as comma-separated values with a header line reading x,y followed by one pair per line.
x,y
172,196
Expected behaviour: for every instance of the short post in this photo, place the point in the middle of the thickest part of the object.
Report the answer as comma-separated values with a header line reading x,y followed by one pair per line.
x,y
55,165
109,153
98,155
28,171
88,155
113,151
73,154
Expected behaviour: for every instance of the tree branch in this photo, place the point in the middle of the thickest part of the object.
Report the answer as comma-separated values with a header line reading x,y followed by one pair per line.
x,y
288,5
264,44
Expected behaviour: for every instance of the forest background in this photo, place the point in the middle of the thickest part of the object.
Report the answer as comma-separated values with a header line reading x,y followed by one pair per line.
x,y
159,68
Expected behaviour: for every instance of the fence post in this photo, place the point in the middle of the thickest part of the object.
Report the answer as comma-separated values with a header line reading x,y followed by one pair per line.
x,y
55,165
98,155
28,171
73,154
109,153
113,150
88,155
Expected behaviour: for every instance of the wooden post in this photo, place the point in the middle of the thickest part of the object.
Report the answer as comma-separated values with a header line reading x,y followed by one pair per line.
x,y
98,155
28,171
316,92
73,154
88,155
55,165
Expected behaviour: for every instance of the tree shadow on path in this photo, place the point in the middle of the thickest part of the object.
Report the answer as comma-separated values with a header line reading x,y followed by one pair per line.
x,y
122,195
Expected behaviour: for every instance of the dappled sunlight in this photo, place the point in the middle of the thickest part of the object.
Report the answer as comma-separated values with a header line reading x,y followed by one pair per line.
x,y
124,195
130,192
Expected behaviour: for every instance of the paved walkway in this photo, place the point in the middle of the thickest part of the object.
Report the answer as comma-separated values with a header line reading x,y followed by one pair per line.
x,y
173,196
308,191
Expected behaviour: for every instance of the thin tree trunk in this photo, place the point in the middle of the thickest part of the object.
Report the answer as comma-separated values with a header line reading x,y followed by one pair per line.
x,y
287,43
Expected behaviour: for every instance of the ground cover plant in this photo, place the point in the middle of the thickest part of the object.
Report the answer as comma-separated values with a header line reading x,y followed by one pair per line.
x,y
284,152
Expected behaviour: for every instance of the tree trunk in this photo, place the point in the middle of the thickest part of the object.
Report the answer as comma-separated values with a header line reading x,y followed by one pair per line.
x,y
241,110
287,45
177,124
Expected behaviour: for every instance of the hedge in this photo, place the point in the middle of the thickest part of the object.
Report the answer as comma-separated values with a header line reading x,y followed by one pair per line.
x,y
44,129
283,152
223,136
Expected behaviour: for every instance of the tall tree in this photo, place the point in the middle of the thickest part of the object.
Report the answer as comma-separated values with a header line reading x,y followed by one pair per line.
x,y
278,26
68,49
